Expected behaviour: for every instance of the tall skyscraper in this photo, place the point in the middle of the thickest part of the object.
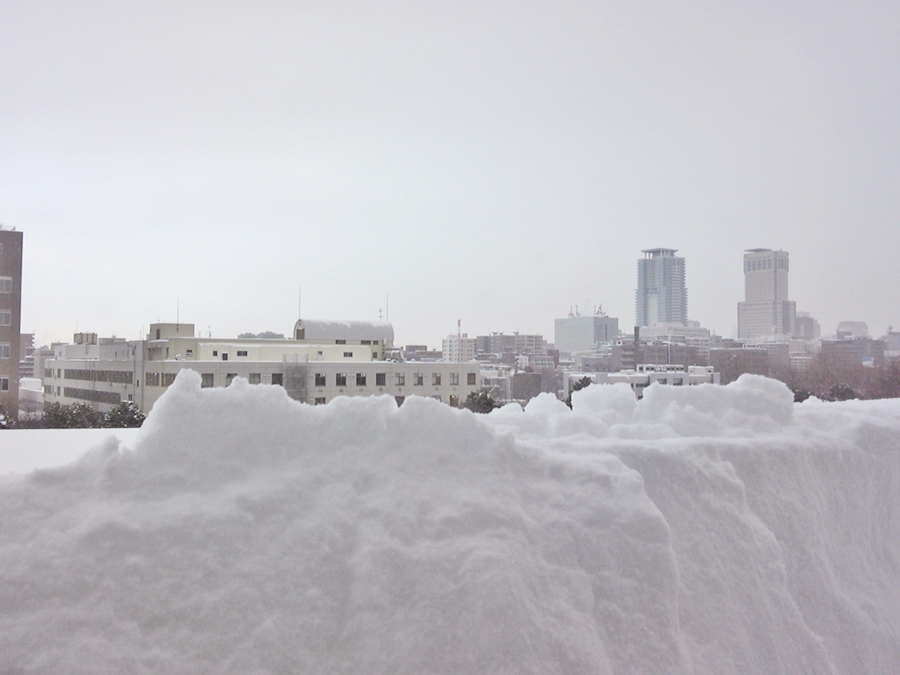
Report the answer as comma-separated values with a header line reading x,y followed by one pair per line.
x,y
766,310
10,322
661,292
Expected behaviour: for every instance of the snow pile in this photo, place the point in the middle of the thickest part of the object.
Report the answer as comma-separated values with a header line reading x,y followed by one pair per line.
x,y
701,530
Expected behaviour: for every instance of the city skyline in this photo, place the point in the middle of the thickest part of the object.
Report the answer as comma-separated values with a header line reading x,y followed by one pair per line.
x,y
490,164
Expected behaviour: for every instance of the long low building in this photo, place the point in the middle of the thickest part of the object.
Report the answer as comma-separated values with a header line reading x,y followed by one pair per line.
x,y
337,359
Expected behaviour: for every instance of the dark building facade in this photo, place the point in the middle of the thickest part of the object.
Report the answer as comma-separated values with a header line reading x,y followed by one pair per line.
x,y
10,318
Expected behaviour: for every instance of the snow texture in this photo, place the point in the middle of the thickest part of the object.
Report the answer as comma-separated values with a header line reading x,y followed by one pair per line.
x,y
702,530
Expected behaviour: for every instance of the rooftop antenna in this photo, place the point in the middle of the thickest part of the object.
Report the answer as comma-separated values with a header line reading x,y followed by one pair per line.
x,y
379,313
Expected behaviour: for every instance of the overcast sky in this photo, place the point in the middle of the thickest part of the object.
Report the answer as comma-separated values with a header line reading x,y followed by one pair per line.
x,y
492,162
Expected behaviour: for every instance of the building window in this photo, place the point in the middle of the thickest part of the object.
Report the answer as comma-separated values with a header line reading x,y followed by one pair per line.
x,y
454,378
206,380
454,401
229,378
168,379
399,379
360,379
215,352
436,379
4,350
255,378
242,352
348,355
320,400
340,379
278,378
5,284
340,342
320,380
4,384
418,380
5,317
224,356
380,379
470,378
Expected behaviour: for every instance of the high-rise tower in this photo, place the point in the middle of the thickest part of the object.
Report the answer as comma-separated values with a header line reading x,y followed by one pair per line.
x,y
766,310
10,323
661,293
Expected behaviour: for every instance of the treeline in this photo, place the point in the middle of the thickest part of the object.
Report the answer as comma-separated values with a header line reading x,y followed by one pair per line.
x,y
80,416
834,380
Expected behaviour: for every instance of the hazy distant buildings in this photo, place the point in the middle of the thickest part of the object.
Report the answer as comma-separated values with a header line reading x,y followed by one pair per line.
x,y
766,309
516,343
852,329
661,295
584,333
806,327
10,317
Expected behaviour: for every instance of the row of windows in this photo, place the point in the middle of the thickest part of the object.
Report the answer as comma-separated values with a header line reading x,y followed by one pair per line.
x,y
5,284
454,400
755,265
114,376
340,379
208,380
159,379
91,395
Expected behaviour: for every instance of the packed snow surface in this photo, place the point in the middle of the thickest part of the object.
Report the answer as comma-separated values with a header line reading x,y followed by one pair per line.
x,y
702,530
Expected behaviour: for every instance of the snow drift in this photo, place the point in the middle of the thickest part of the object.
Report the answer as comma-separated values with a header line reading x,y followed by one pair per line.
x,y
701,530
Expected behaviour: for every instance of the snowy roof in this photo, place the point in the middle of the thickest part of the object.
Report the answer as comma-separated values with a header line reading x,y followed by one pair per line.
x,y
314,330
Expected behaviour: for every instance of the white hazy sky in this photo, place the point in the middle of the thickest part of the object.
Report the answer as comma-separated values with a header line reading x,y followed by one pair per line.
x,y
494,162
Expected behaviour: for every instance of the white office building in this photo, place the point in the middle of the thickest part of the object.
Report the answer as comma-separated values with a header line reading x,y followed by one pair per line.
x,y
584,333
661,295
766,311
330,359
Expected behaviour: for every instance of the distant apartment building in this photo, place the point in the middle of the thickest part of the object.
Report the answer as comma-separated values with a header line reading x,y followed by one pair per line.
x,y
26,355
458,348
766,310
661,295
326,360
576,333
10,317
515,343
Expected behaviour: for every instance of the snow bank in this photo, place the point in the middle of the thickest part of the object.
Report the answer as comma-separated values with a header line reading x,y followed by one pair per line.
x,y
702,530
